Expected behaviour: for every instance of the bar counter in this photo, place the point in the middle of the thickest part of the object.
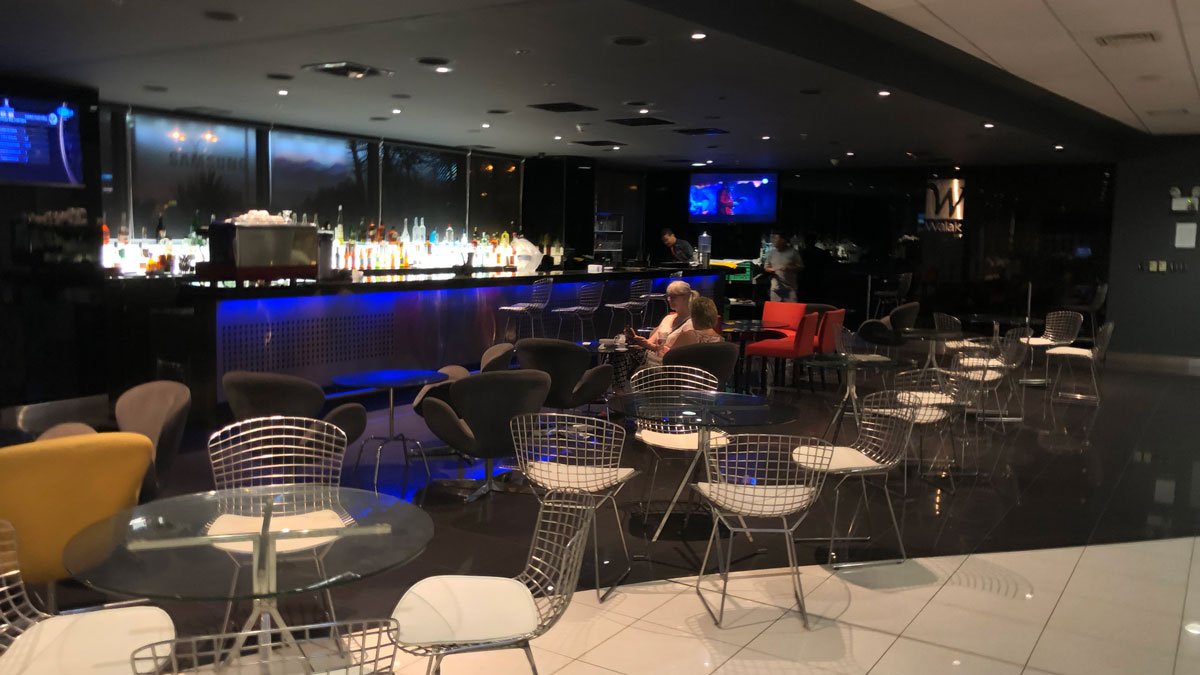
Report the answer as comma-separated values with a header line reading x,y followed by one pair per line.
x,y
319,330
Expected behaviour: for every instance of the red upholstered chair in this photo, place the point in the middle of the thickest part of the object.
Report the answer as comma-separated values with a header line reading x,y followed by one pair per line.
x,y
788,313
788,347
825,341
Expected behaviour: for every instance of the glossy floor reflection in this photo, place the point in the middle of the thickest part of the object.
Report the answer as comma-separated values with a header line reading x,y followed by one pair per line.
x,y
1067,475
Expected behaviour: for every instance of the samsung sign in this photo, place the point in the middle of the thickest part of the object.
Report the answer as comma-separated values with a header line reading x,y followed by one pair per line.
x,y
944,205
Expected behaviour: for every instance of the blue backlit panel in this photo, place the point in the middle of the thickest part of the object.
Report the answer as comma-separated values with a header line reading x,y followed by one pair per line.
x,y
39,142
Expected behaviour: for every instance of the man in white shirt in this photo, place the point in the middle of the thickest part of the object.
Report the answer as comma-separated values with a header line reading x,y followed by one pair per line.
x,y
783,263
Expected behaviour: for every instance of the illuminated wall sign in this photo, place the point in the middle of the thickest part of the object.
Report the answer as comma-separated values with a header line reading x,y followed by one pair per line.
x,y
944,205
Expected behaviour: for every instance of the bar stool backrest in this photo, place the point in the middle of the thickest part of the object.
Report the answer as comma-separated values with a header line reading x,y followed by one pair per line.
x,y
638,288
541,292
1062,327
591,294
886,422
1014,346
787,313
559,451
1103,338
278,450
672,378
767,475
945,323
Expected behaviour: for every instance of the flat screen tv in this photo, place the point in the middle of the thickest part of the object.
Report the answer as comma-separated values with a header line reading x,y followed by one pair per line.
x,y
40,142
732,198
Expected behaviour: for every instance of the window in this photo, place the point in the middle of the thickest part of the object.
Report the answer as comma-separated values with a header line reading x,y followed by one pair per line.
x,y
424,183
495,193
314,175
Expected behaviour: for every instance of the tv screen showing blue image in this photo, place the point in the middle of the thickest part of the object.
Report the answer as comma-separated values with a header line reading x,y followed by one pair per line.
x,y
39,142
732,198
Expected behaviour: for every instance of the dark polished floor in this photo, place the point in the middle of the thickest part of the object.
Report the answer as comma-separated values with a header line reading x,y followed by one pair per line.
x,y
1067,475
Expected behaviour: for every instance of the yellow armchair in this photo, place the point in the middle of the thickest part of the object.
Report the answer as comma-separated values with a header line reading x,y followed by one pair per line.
x,y
52,489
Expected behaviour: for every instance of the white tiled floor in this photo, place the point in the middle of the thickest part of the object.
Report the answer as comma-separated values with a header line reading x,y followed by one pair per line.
x,y
1118,608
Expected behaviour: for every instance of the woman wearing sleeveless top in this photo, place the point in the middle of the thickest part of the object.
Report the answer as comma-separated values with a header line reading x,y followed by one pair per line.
x,y
705,324
652,349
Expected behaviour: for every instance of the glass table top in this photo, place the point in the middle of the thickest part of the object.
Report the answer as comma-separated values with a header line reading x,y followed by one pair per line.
x,y
854,361
702,408
199,546
933,334
390,379
750,326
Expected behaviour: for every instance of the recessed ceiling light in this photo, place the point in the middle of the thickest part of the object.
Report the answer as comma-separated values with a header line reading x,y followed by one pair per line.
x,y
283,92
989,125
1193,628
957,168
697,163
485,125
698,35
849,153
558,138
708,161
766,138
221,15
644,111
1059,148
396,111
442,69
884,93
616,147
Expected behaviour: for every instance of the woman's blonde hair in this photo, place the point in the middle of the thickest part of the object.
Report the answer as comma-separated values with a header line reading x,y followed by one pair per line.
x,y
681,288
704,313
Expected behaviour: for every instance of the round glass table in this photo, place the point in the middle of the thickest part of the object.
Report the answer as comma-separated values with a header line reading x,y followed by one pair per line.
x,y
849,364
390,379
702,411
251,543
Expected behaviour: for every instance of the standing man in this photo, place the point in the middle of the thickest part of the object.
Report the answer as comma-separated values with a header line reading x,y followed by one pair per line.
x,y
678,249
783,263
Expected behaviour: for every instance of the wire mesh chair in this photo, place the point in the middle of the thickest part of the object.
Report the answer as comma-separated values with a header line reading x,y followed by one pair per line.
x,y
590,295
1061,329
444,615
884,427
930,393
669,433
348,648
276,451
535,308
635,305
1093,357
37,642
572,452
946,323
653,299
993,367
761,476
270,451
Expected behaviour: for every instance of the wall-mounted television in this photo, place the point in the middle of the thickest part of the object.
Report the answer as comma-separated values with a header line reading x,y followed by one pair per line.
x,y
40,142
732,198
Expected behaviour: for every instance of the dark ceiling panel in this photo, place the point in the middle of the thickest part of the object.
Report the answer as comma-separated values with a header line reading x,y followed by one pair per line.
x,y
641,121
565,107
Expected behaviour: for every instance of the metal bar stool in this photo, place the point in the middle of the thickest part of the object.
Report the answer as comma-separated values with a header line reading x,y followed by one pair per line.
x,y
584,310
536,307
654,298
638,290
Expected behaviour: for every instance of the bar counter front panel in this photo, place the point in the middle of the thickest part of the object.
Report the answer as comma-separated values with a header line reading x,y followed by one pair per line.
x,y
324,330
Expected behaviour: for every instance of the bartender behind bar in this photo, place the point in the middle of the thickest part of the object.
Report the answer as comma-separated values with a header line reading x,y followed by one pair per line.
x,y
678,250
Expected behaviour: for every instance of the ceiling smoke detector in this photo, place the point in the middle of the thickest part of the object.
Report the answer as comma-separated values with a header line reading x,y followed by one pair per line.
x,y
347,69
1127,39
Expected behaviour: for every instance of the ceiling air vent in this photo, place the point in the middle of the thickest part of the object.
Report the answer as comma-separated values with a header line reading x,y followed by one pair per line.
x,y
703,131
1126,39
563,107
598,144
347,69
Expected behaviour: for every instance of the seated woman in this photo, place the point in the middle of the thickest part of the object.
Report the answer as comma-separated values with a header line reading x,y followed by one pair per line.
x,y
651,349
705,324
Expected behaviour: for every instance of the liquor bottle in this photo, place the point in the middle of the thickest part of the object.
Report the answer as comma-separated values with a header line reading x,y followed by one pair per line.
x,y
103,229
361,234
449,234
160,232
304,218
194,236
339,234
405,237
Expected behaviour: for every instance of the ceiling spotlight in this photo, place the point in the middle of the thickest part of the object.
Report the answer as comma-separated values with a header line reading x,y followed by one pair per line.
x,y
485,125
283,92
395,111
884,93
697,163
644,111
698,35
849,153
957,168
766,138
442,69
558,138
1059,148
1193,628
616,147
708,161
989,125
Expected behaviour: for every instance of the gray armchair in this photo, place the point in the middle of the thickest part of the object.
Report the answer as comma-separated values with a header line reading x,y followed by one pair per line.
x,y
498,357
265,394
159,411
572,382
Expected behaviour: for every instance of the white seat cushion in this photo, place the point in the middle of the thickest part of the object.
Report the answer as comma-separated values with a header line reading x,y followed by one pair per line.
x,y
592,478
455,609
982,375
844,459
88,643
1078,352
867,357
924,398
959,344
758,500
230,524
1037,341
976,363
689,441
923,414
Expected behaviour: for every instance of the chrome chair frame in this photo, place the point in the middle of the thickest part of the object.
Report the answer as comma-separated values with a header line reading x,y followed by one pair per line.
x,y
17,612
764,476
659,297
584,310
362,647
551,574
636,304
558,451
1094,357
538,300
1060,330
